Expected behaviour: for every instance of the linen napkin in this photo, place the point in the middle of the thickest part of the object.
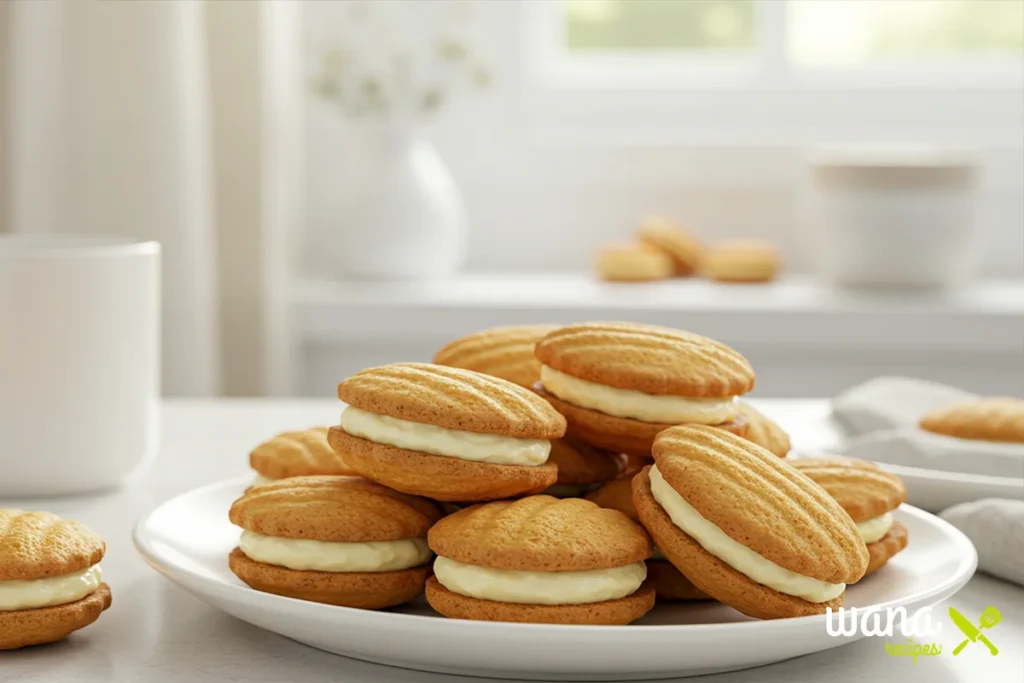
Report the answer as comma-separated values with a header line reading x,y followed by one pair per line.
x,y
996,528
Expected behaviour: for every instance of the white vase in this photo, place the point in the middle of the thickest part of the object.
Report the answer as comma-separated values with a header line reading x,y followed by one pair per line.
x,y
408,221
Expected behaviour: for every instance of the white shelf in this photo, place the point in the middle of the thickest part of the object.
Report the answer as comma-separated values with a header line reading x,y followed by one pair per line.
x,y
792,313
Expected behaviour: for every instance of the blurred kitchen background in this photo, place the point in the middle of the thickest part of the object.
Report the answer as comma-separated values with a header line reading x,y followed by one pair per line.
x,y
340,184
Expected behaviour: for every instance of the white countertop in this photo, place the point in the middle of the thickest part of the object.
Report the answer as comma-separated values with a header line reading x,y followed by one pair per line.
x,y
157,633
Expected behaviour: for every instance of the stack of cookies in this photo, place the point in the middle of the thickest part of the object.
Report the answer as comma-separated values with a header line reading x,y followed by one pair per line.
x,y
560,474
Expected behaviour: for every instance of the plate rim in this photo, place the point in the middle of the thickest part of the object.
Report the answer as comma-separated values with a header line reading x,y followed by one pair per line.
x,y
388,619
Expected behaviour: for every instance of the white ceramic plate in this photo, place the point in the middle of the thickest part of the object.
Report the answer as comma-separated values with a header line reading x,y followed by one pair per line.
x,y
187,539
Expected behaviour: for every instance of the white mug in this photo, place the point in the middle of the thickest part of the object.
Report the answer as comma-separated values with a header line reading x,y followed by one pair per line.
x,y
79,362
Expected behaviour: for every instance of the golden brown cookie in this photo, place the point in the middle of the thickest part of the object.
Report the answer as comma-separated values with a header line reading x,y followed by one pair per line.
x,y
452,398
294,527
742,261
667,582
57,561
880,552
582,467
446,433
763,431
680,244
620,434
505,352
745,500
632,263
983,419
867,493
540,559
21,628
298,454
440,478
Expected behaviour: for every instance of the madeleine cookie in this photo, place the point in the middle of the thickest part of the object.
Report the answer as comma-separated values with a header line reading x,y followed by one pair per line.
x,y
984,419
505,352
619,384
763,431
742,261
745,527
446,433
632,263
50,578
581,467
680,244
667,581
337,540
540,559
296,454
869,494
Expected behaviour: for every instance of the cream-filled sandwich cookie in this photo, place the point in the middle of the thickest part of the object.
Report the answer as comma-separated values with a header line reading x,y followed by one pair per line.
x,y
982,419
619,384
667,581
540,559
296,454
869,495
505,352
745,527
336,540
51,583
446,433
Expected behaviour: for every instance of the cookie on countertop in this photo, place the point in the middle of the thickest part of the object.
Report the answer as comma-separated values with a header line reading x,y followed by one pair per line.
x,y
984,419
742,261
632,263
50,578
505,352
869,495
446,433
763,431
296,454
336,540
667,581
540,559
745,527
619,384
680,244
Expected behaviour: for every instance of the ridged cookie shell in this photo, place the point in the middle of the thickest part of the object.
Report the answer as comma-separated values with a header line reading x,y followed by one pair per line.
x,y
37,545
22,628
616,495
647,358
861,488
985,419
608,613
761,502
540,533
504,352
363,590
452,398
298,454
763,431
342,509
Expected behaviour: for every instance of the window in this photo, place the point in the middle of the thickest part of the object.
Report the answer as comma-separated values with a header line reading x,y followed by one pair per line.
x,y
665,41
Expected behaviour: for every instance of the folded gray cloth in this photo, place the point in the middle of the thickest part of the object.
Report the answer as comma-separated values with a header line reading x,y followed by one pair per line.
x,y
996,528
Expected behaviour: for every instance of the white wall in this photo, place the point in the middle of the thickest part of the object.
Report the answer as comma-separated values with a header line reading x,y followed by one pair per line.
x,y
548,173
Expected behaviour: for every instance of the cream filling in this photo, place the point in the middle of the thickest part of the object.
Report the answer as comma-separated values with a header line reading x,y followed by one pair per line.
x,y
741,558
48,592
539,588
876,528
636,404
260,480
453,443
331,556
